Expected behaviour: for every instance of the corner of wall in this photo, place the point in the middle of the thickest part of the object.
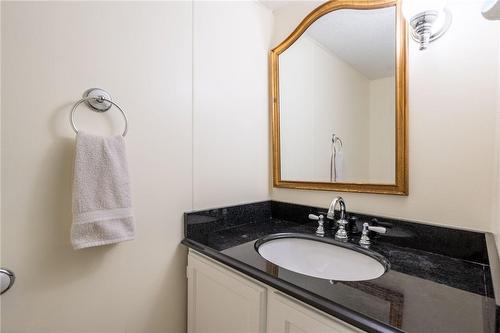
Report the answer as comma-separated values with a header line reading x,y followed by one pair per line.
x,y
495,202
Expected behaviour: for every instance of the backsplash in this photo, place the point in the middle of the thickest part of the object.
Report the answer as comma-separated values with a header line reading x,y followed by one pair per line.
x,y
198,224
455,243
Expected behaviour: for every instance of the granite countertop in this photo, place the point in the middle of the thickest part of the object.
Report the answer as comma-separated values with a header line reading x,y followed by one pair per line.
x,y
444,290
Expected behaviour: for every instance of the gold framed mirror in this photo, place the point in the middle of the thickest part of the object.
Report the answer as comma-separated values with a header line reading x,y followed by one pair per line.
x,y
338,94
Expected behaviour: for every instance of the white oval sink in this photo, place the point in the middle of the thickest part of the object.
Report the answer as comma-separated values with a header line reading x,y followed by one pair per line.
x,y
321,259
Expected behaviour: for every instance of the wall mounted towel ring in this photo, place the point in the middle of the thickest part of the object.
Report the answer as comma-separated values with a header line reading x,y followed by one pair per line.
x,y
335,140
98,100
333,156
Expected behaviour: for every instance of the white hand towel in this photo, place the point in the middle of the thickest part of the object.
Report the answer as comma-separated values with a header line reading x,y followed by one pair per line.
x,y
101,194
339,166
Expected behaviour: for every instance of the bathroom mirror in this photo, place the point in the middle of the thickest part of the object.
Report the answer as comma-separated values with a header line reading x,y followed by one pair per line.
x,y
338,98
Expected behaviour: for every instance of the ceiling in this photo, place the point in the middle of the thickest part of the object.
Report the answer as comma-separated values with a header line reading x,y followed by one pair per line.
x,y
276,4
365,39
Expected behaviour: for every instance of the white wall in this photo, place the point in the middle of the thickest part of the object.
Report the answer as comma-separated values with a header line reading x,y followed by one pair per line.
x,y
313,107
451,126
382,131
142,53
231,136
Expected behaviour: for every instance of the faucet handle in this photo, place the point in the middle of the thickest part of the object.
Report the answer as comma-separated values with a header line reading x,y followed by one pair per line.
x,y
365,240
380,230
321,230
314,217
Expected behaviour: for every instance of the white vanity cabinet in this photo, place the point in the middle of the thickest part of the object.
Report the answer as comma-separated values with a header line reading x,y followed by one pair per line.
x,y
287,315
221,300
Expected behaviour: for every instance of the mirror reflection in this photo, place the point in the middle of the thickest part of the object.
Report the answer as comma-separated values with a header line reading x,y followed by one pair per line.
x,y
337,99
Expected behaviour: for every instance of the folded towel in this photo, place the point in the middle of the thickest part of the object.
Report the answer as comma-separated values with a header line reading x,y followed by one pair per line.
x,y
339,166
101,195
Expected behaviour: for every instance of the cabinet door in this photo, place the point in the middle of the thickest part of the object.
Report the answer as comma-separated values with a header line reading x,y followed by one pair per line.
x,y
221,301
286,315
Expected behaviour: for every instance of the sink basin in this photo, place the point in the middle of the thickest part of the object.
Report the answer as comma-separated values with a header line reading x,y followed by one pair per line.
x,y
321,258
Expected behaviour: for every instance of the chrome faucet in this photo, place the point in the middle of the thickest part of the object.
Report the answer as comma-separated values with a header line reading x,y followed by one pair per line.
x,y
341,233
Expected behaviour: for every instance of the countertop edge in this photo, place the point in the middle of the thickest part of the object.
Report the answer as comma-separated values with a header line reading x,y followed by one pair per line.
x,y
494,262
349,316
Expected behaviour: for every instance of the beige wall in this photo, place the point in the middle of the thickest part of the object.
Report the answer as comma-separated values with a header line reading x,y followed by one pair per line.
x,y
495,225
142,53
320,94
382,130
230,125
452,112
315,99
52,52
0,157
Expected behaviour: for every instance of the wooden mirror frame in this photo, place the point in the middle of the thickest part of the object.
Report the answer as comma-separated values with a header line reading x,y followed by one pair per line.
x,y
401,177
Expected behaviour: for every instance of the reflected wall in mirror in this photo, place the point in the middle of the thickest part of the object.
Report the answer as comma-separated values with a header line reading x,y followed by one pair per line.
x,y
338,86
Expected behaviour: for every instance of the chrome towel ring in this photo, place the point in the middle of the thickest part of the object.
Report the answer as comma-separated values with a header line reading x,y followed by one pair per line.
x,y
10,275
98,100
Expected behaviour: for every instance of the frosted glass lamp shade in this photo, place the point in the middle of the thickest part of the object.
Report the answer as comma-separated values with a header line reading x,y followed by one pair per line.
x,y
491,10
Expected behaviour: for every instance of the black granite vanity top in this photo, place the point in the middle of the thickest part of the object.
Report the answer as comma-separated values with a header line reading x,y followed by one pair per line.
x,y
439,278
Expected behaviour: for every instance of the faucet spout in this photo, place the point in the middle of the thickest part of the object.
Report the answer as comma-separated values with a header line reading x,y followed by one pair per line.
x,y
333,204
341,233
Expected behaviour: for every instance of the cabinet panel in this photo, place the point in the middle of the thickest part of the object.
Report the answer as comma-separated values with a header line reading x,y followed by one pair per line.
x,y
286,315
221,301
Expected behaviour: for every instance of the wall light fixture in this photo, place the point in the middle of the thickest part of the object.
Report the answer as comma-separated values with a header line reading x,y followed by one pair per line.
x,y
429,20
